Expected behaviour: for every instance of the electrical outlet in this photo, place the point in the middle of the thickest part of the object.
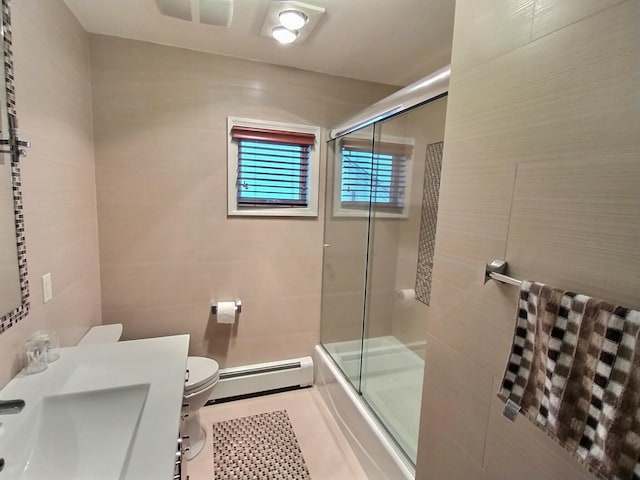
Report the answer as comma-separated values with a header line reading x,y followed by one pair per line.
x,y
47,291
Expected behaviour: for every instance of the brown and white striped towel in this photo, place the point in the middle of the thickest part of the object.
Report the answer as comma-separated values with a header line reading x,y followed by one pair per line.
x,y
574,371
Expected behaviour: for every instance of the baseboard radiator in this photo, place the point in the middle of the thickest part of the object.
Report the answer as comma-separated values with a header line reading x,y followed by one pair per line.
x,y
249,380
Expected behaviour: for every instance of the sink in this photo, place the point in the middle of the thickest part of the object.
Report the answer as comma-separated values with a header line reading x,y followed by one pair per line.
x,y
83,435
100,412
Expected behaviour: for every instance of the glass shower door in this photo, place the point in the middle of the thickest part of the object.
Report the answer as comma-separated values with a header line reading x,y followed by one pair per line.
x,y
346,230
380,213
395,317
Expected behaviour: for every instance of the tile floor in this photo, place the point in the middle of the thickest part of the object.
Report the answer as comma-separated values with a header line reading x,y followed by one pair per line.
x,y
325,449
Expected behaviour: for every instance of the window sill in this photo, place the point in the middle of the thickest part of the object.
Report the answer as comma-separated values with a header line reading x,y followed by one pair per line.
x,y
272,212
347,212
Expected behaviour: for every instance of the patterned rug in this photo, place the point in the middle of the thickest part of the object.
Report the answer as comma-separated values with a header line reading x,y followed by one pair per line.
x,y
257,447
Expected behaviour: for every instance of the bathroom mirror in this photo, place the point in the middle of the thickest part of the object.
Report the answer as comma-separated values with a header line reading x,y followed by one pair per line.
x,y
14,291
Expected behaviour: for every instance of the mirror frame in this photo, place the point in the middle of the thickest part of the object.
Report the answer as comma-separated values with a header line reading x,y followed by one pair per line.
x,y
9,319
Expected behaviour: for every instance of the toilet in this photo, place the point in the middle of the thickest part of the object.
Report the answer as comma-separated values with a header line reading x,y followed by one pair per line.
x,y
202,376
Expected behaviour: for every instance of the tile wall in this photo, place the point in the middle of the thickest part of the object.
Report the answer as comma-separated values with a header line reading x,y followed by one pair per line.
x,y
53,101
344,262
393,248
410,317
541,168
167,247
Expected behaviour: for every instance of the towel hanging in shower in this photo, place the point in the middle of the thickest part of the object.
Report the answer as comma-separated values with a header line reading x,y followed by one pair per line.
x,y
574,371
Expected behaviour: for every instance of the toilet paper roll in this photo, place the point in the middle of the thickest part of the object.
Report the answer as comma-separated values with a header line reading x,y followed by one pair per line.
x,y
226,312
407,294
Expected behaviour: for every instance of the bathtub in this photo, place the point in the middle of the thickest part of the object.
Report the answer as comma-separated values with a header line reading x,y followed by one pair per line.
x,y
387,360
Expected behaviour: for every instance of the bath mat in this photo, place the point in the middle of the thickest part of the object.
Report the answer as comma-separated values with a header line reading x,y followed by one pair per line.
x,y
257,447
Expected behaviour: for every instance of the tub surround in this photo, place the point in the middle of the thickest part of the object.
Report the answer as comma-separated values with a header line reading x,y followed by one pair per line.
x,y
392,385
376,451
540,167
142,374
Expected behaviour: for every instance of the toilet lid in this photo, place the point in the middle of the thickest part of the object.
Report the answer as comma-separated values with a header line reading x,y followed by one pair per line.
x,y
202,370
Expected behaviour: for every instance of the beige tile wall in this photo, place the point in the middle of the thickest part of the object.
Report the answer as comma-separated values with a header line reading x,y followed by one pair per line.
x,y
390,246
344,266
541,166
381,288
425,125
53,96
393,249
167,246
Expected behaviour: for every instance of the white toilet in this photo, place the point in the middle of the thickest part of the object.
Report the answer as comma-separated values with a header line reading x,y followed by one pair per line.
x,y
203,374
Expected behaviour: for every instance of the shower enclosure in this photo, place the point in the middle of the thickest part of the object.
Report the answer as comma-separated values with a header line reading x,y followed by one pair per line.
x,y
379,229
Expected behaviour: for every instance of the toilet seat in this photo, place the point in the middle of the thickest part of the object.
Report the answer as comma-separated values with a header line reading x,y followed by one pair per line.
x,y
202,378
188,394
203,372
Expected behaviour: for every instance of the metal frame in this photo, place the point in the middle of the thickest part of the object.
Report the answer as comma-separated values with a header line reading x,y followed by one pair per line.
x,y
428,88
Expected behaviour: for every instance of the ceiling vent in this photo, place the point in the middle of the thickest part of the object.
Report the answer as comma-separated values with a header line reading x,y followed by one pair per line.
x,y
175,8
209,12
216,12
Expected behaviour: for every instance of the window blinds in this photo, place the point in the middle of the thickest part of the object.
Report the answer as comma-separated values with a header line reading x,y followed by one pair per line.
x,y
273,167
373,173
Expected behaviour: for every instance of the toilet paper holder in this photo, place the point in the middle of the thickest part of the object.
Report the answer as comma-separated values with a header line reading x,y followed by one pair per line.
x,y
214,307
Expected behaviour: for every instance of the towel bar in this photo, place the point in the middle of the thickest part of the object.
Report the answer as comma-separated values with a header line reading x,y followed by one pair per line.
x,y
495,271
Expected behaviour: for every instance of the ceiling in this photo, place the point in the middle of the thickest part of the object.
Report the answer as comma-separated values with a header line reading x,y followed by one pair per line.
x,y
388,41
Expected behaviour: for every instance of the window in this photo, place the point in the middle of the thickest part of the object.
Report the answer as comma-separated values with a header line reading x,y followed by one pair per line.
x,y
379,177
273,168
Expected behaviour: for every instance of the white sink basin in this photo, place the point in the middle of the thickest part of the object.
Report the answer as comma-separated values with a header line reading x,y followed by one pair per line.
x,y
84,435
100,412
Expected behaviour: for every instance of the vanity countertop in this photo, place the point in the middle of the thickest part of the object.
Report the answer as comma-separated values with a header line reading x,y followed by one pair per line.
x,y
151,374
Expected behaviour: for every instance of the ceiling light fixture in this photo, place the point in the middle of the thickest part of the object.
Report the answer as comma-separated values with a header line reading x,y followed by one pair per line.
x,y
293,19
284,35
289,20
